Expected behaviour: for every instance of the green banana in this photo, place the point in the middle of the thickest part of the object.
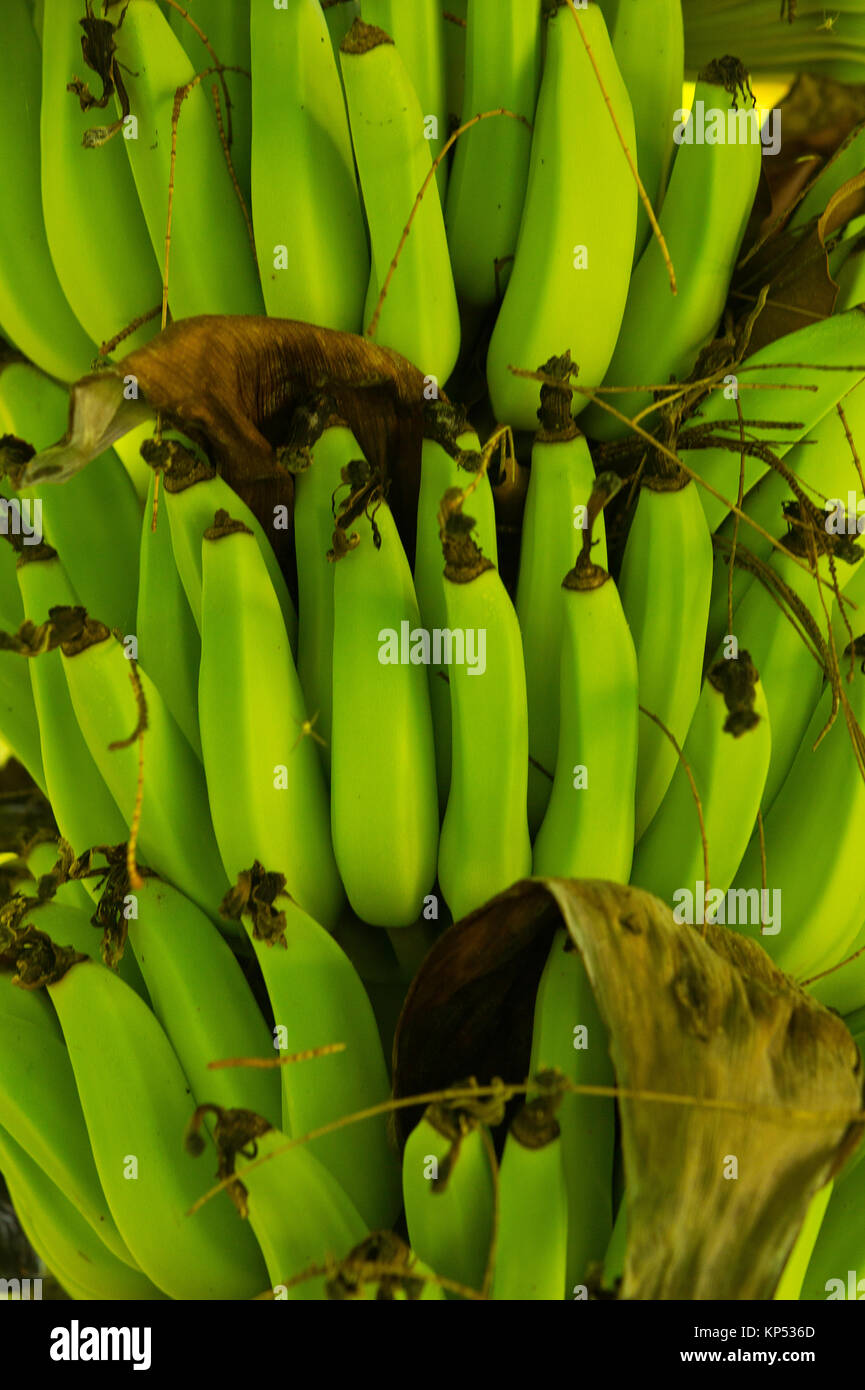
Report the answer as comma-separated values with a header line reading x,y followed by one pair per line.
x,y
844,989
418,32
448,454
194,493
72,926
591,834
306,206
40,1110
62,1238
532,1244
720,180
93,519
169,646
820,358
649,46
491,161
484,845
33,309
456,22
419,316
727,750
268,799
297,1210
19,725
43,857
175,793
199,993
318,999
447,1186
820,918
568,1034
793,1276
383,778
227,27
136,1102
665,585
572,264
84,808
340,16
212,269
561,478
836,1269
111,285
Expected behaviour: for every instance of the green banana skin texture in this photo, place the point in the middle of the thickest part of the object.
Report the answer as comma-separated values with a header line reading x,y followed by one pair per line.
x,y
283,824
318,998
61,1237
532,1245
820,917
33,309
440,471
588,832
561,478
844,989
313,532
93,519
19,726
840,1244
729,771
299,1214
39,1109
383,778
169,646
564,1002
837,342
175,792
823,466
649,46
491,161
137,1102
83,189
484,845
304,191
84,808
419,316
200,996
418,32
191,510
451,1229
720,180
796,1268
550,304
665,585
212,268
228,29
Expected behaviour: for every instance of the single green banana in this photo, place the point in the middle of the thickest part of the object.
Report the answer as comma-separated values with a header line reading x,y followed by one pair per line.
x,y
169,645
447,1186
727,751
649,46
568,1034
317,999
491,161
572,264
306,205
561,478
211,272
383,778
588,826
268,800
532,1244
419,315
419,34
720,180
67,1245
33,309
176,834
484,845
110,285
665,586
299,1213
449,455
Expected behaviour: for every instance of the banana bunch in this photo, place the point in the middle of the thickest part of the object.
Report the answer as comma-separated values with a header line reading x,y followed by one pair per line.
x,y
795,35
275,760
